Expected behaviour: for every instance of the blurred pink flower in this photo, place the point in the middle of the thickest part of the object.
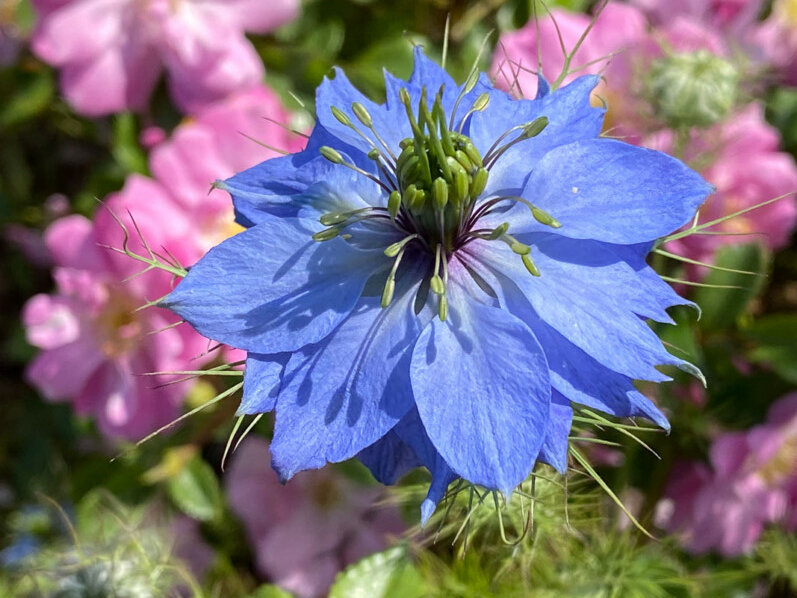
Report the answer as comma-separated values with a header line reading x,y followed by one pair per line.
x,y
226,137
741,158
305,532
728,16
619,28
200,44
739,155
95,347
776,39
752,481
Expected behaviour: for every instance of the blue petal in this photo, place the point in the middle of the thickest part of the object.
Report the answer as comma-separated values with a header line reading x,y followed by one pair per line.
x,y
578,376
611,191
412,432
583,380
570,118
482,389
389,120
272,288
262,378
554,449
592,307
389,458
276,186
347,392
543,87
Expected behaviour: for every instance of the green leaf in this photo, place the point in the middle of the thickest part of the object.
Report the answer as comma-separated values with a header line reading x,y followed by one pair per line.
x,y
126,149
195,491
723,306
33,94
381,575
270,591
775,338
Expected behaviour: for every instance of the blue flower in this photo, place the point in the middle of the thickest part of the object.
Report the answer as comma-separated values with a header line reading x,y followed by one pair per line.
x,y
434,280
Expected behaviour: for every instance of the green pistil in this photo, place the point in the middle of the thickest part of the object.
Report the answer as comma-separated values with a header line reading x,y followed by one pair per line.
x,y
439,172
433,185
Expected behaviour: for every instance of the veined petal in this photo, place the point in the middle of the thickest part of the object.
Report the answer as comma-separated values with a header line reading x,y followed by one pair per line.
x,y
577,375
272,288
482,389
554,448
389,120
344,394
570,116
262,378
277,186
611,191
583,305
389,458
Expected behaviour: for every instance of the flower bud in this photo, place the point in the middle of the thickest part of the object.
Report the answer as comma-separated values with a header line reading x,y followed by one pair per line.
x,y
696,89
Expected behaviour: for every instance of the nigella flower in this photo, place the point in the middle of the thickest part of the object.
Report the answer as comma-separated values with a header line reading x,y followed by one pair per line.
x,y
434,280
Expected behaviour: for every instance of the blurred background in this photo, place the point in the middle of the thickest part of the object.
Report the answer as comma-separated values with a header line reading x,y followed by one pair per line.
x,y
119,114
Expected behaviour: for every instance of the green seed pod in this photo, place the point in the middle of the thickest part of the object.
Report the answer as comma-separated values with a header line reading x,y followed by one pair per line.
x,y
696,89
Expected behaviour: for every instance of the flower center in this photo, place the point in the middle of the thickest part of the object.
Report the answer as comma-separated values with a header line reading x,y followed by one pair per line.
x,y
434,187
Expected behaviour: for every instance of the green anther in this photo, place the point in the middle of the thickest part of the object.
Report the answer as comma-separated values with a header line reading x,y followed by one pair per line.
x,y
341,116
394,249
426,171
406,142
333,218
473,154
545,218
463,160
404,96
394,204
461,185
434,140
418,200
439,114
362,114
520,248
374,154
387,292
437,286
454,165
499,231
481,102
534,128
409,166
409,194
442,308
471,82
530,265
478,183
440,193
331,154
326,234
